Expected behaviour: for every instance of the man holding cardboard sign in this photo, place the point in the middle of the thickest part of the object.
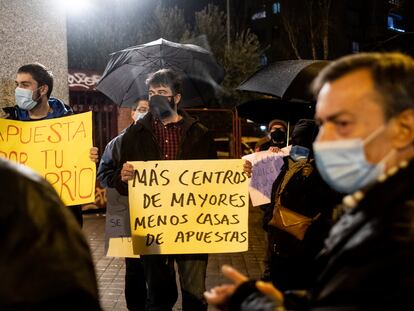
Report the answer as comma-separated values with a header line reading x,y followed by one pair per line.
x,y
34,85
167,133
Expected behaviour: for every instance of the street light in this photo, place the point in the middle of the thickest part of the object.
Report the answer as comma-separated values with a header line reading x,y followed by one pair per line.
x,y
74,6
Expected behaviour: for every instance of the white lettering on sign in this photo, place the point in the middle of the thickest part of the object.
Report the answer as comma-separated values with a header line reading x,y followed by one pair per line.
x,y
80,79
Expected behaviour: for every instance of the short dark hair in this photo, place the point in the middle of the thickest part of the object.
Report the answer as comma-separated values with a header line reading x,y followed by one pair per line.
x,y
40,74
392,74
166,77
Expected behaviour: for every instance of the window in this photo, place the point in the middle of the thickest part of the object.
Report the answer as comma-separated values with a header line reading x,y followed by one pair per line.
x,y
259,15
395,22
394,2
276,8
355,47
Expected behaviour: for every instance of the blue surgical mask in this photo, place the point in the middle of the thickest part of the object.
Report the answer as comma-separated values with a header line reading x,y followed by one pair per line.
x,y
140,115
24,99
299,153
343,165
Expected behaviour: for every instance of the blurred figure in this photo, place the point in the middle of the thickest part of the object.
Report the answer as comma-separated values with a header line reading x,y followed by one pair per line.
x,y
277,137
365,147
45,261
135,285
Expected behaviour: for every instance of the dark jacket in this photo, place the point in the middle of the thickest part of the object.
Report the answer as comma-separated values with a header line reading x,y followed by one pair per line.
x,y
307,194
45,261
107,163
140,144
368,259
58,109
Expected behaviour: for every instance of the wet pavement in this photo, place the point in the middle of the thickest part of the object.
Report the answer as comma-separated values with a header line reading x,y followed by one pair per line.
x,y
110,271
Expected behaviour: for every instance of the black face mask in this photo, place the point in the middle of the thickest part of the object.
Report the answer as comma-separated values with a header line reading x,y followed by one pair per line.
x,y
162,107
278,136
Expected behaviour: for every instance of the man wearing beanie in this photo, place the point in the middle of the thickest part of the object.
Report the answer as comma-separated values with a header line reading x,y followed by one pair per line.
x,y
277,136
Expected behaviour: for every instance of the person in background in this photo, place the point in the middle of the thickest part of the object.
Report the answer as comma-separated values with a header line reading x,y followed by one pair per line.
x,y
277,137
300,213
135,285
167,133
141,108
274,142
45,261
34,85
365,148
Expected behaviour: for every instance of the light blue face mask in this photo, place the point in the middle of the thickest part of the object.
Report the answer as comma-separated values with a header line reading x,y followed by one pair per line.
x,y
24,98
343,165
299,153
140,115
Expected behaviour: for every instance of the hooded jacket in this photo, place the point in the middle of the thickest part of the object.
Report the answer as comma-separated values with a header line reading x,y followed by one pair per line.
x,y
58,109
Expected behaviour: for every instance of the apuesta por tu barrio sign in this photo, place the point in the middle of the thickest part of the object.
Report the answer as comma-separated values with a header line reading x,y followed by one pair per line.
x,y
57,149
189,206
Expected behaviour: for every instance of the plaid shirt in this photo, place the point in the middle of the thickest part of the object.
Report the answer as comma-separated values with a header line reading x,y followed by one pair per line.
x,y
168,137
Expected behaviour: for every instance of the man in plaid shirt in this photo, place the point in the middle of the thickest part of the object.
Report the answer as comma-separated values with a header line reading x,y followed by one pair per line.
x,y
166,133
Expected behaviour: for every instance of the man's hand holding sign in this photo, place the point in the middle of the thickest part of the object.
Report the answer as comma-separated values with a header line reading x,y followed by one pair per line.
x,y
184,207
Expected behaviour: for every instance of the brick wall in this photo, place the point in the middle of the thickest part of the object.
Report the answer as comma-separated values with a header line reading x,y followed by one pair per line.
x,y
124,118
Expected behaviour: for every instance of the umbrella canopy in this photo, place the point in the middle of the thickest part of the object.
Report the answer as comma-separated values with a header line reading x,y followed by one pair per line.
x,y
123,80
263,110
289,79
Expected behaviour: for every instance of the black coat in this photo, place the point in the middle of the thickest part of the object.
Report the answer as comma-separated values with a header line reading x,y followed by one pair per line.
x,y
45,261
368,259
371,250
307,194
140,144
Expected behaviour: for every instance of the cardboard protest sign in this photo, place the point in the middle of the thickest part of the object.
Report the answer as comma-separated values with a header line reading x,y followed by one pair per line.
x,y
57,149
266,167
189,206
121,247
118,242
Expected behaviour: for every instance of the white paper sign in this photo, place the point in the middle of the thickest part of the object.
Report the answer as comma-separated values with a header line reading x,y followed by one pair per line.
x,y
266,167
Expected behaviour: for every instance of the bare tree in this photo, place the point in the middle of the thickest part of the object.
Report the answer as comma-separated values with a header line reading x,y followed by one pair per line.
x,y
325,7
309,4
293,34
240,61
91,46
166,23
307,25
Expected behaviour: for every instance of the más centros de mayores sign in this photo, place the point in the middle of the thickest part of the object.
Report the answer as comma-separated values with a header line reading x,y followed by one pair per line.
x,y
189,206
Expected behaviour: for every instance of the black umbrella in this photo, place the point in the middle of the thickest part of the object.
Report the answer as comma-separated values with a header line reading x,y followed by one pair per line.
x,y
263,110
123,80
286,79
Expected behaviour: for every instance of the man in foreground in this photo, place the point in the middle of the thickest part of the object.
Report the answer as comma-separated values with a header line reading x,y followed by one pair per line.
x,y
365,148
45,260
